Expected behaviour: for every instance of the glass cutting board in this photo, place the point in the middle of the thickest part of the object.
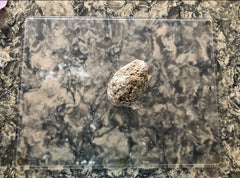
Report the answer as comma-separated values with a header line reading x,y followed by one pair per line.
x,y
67,120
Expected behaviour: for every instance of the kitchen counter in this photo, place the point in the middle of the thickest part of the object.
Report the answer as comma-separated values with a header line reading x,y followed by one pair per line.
x,y
226,27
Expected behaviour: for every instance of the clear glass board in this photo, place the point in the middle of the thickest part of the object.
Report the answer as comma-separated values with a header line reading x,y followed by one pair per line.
x,y
66,118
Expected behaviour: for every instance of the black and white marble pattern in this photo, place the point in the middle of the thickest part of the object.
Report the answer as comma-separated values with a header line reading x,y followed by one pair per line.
x,y
66,118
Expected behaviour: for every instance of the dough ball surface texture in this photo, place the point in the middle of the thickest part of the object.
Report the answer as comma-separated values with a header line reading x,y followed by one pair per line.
x,y
128,83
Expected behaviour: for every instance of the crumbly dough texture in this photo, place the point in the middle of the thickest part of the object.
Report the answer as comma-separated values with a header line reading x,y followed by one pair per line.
x,y
128,84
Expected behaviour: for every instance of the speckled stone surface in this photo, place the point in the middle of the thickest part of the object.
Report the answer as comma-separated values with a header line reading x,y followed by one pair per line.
x,y
225,18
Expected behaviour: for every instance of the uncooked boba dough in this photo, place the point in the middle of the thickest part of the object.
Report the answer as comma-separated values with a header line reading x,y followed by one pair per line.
x,y
128,83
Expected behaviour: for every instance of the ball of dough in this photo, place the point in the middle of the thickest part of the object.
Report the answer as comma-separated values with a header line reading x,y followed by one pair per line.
x,y
128,83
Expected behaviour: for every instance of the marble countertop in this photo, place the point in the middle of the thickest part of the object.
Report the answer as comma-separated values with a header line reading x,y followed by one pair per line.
x,y
226,31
